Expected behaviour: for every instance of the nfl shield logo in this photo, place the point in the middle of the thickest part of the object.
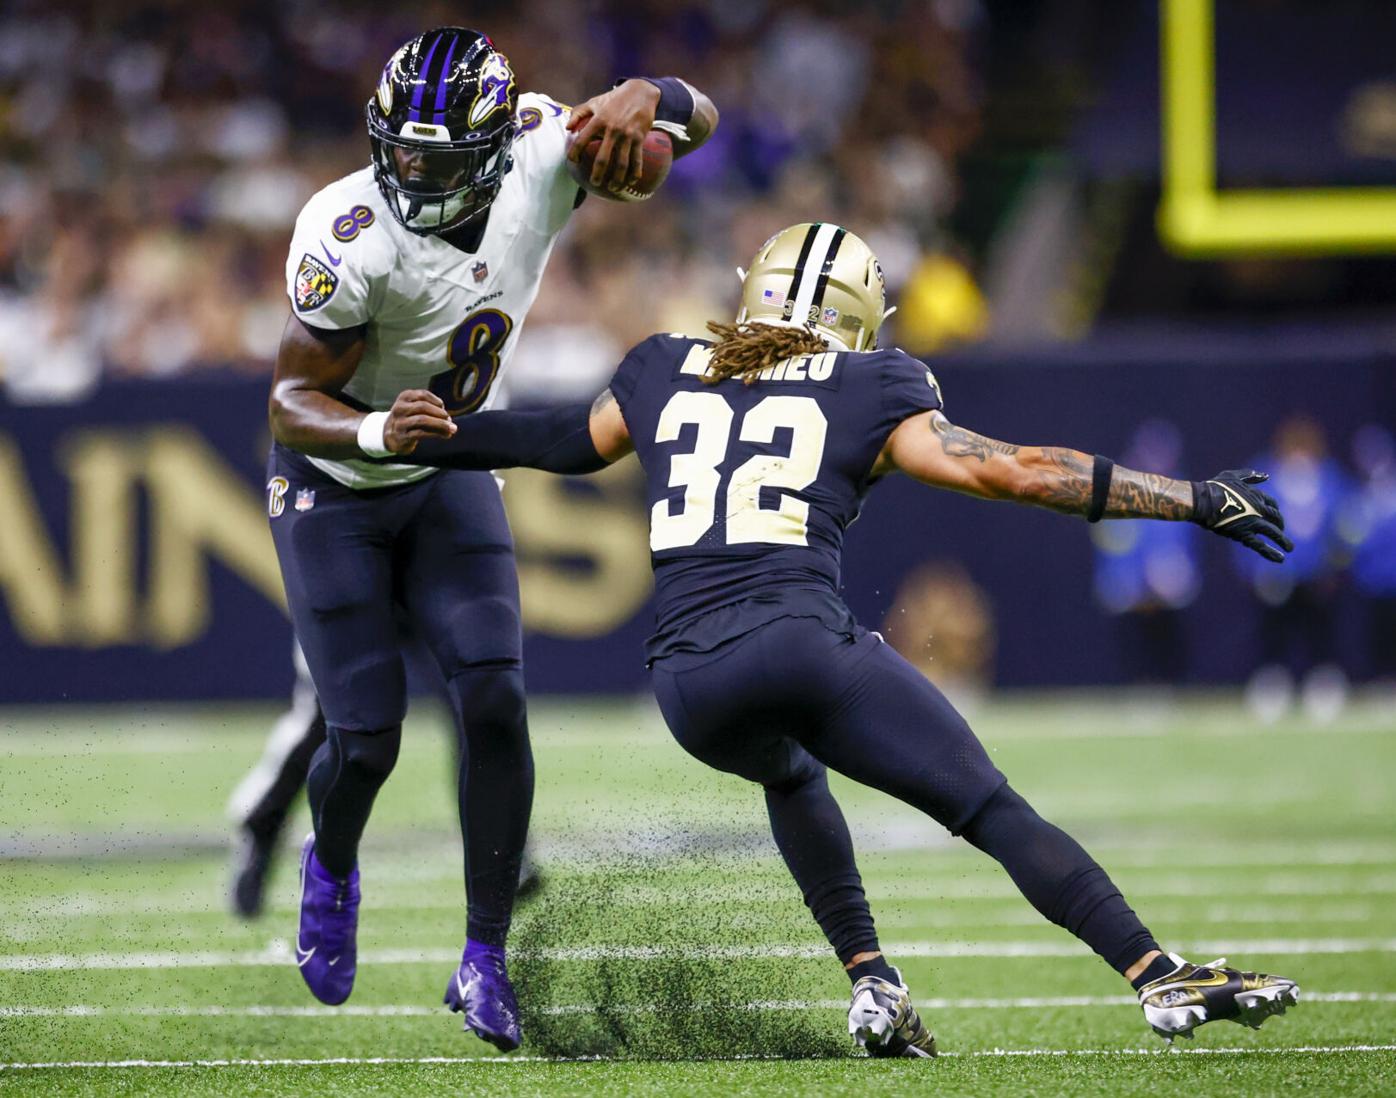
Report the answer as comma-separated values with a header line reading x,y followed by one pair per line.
x,y
305,499
831,316
481,271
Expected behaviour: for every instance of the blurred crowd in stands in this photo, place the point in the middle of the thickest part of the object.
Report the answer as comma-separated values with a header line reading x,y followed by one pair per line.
x,y
156,153
1341,516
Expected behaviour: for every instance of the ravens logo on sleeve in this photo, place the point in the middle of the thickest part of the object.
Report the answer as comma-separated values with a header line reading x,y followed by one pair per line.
x,y
315,283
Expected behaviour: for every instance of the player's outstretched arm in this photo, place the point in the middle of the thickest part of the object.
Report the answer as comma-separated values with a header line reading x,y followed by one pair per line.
x,y
623,116
572,439
312,366
937,452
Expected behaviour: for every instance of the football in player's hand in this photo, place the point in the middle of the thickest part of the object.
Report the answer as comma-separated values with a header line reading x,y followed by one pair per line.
x,y
658,153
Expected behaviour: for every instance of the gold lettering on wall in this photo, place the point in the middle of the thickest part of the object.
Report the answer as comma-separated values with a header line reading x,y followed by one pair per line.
x,y
582,546
104,468
601,526
199,507
31,573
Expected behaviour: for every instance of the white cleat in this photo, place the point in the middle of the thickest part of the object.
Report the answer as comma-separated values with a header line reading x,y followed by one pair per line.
x,y
882,1020
1193,995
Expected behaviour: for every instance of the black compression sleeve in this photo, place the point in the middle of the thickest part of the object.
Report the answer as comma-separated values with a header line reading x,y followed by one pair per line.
x,y
556,440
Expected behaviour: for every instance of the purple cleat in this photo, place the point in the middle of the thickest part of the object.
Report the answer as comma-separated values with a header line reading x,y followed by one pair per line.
x,y
482,991
326,952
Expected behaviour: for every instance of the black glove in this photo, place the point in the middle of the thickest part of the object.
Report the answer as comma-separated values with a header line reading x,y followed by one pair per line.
x,y
1229,506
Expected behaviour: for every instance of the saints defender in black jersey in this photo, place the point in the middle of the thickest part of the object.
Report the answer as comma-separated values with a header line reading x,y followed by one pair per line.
x,y
758,449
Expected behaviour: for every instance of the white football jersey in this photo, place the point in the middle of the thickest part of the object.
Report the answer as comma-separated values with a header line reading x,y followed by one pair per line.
x,y
437,318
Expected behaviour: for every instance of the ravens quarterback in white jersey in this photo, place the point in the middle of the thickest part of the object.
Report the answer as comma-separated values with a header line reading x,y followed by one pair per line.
x,y
416,273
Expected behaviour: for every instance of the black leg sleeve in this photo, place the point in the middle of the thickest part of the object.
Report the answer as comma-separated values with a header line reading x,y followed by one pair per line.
x,y
813,838
1059,878
495,792
345,776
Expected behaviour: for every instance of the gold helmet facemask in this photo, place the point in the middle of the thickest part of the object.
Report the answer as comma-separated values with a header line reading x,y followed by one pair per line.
x,y
817,276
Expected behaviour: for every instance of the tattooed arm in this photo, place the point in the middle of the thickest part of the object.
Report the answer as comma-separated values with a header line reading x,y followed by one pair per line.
x,y
935,451
609,433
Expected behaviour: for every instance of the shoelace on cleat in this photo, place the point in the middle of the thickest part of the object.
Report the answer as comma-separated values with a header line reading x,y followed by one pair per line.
x,y
341,894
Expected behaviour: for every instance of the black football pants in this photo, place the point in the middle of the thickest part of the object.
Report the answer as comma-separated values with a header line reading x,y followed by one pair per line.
x,y
439,551
778,705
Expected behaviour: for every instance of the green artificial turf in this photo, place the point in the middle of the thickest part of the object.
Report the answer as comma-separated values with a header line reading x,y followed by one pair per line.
x,y
668,940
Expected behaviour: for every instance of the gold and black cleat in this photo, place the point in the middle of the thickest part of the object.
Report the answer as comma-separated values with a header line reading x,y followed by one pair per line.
x,y
1193,995
882,1020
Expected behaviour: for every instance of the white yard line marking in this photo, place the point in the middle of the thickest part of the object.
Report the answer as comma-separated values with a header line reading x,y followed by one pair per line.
x,y
1158,888
1016,722
1310,1050
278,953
55,748
346,1011
989,889
1319,857
33,915
371,1061
882,892
389,1010
37,926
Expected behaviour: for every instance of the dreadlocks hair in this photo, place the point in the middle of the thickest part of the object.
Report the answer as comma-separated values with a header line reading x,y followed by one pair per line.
x,y
744,350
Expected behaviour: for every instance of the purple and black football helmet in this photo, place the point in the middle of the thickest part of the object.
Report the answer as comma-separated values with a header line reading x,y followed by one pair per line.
x,y
442,126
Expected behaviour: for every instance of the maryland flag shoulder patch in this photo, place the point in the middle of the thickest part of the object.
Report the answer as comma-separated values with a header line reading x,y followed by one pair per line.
x,y
315,284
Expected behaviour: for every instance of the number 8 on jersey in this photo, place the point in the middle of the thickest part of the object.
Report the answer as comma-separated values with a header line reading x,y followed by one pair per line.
x,y
473,352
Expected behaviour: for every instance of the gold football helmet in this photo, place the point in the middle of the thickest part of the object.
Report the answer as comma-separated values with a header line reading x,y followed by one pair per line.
x,y
818,276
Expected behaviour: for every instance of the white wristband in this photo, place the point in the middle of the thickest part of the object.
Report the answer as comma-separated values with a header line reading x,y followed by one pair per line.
x,y
371,429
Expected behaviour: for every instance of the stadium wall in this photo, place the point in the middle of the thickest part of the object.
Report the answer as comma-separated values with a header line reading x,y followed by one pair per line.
x,y
135,561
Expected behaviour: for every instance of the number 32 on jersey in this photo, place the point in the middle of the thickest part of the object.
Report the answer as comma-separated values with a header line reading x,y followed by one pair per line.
x,y
696,472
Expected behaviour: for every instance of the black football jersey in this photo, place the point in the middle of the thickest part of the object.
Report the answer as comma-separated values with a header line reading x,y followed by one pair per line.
x,y
750,487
